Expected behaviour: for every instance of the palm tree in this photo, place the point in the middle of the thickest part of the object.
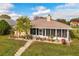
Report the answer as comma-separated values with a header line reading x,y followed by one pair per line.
x,y
27,25
23,25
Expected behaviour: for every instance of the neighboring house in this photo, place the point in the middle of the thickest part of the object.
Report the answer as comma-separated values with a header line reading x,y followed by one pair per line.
x,y
46,26
74,22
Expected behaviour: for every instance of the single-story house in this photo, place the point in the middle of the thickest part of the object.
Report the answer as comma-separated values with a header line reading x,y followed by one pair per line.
x,y
46,26
74,22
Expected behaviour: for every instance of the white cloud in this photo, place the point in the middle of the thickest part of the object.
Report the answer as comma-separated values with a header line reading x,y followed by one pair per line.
x,y
14,16
68,6
5,8
66,11
41,10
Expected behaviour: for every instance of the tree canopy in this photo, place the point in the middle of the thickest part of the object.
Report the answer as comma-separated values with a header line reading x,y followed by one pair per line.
x,y
75,19
4,27
63,21
4,16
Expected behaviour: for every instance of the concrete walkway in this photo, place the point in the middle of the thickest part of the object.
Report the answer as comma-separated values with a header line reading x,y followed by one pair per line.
x,y
22,49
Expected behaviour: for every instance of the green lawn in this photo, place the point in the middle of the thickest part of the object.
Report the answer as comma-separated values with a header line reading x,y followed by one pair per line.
x,y
8,47
47,49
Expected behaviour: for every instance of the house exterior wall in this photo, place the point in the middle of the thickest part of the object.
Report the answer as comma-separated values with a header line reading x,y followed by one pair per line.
x,y
18,34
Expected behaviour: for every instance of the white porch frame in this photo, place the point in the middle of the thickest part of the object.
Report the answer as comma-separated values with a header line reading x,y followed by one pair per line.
x,y
67,38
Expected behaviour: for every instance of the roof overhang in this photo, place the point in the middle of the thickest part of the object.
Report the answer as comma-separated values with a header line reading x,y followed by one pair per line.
x,y
51,28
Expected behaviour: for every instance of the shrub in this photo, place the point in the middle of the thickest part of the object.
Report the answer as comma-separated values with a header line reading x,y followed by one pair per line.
x,y
29,37
63,41
74,34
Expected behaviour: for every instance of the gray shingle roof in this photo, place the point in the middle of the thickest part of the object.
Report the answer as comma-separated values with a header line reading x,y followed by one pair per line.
x,y
52,24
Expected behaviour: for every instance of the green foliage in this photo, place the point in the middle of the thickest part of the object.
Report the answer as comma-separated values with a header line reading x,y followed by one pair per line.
x,y
74,19
23,24
4,16
75,27
74,34
4,27
63,21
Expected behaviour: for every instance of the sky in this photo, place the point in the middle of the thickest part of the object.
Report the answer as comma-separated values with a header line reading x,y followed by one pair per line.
x,y
56,10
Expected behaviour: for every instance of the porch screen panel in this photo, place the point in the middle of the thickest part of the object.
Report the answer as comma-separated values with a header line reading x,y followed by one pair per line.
x,y
40,31
43,32
64,33
47,32
33,31
52,32
37,31
58,32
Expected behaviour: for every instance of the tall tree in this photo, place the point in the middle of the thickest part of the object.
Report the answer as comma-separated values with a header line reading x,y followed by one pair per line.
x,y
23,24
5,16
4,27
63,21
75,19
27,25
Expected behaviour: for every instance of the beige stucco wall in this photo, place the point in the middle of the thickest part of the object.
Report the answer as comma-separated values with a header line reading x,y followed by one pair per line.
x,y
17,33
